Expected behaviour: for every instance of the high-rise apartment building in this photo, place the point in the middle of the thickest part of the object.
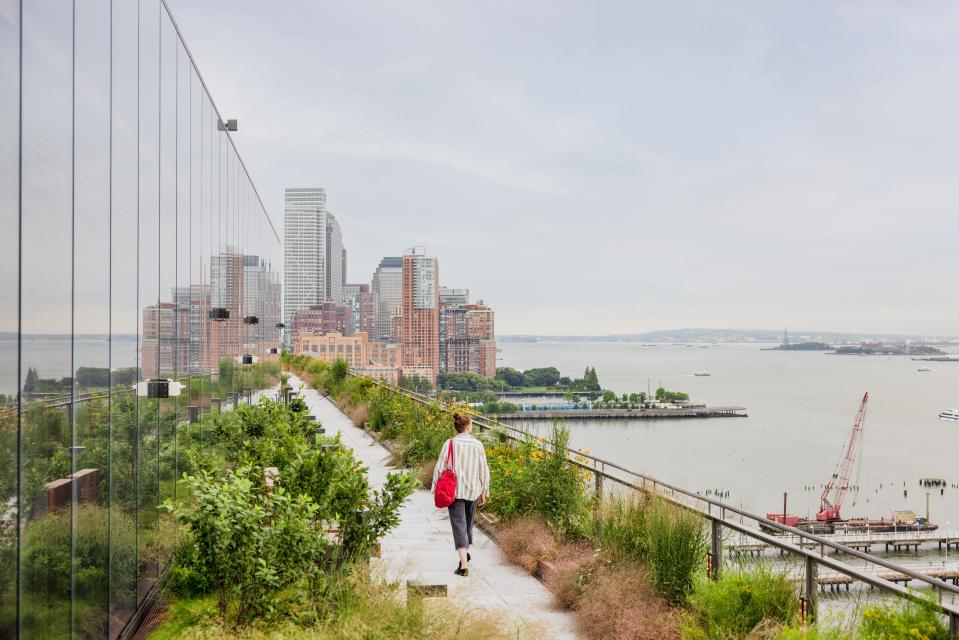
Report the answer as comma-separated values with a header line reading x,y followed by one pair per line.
x,y
359,297
454,297
387,286
335,261
467,339
314,257
420,311
319,319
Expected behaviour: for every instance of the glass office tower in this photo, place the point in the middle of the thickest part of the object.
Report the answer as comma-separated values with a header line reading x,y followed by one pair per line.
x,y
127,222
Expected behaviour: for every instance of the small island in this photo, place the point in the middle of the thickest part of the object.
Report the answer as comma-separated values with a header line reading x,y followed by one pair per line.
x,y
542,393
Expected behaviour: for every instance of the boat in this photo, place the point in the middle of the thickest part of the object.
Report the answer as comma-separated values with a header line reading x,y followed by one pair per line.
x,y
950,414
924,369
702,374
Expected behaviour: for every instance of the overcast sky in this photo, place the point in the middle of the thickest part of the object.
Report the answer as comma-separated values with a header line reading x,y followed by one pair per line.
x,y
591,168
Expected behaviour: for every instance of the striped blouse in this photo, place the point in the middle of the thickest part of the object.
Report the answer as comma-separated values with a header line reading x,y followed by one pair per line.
x,y
469,465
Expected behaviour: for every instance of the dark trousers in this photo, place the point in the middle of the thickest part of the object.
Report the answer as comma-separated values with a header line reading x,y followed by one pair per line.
x,y
461,519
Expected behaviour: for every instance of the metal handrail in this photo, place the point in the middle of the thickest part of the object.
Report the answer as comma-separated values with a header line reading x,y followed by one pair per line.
x,y
818,557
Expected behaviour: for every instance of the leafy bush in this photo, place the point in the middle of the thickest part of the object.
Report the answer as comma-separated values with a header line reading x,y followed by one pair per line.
x,y
338,486
738,602
813,632
909,621
535,477
676,549
252,545
188,574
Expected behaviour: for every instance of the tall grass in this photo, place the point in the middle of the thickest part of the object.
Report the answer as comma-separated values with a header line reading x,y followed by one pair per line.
x,y
675,549
621,521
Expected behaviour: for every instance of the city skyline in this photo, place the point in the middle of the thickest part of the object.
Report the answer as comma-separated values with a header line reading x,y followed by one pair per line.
x,y
761,166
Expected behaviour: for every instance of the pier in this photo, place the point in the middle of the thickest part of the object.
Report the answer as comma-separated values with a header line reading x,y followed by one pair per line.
x,y
904,540
835,581
626,414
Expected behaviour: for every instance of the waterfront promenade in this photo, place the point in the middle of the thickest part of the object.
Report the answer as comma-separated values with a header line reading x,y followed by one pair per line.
x,y
421,548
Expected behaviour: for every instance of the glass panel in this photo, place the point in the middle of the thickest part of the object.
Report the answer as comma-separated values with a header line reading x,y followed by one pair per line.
x,y
124,316
9,336
46,314
187,344
149,294
91,321
167,338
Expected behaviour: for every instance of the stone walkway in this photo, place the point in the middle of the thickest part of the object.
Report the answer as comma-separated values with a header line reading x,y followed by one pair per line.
x,y
421,548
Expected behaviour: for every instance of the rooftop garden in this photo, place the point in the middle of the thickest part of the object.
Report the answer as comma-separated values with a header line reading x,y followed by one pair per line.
x,y
631,565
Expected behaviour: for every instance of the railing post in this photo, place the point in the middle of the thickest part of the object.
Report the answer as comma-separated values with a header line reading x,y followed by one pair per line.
x,y
716,548
811,588
598,503
954,626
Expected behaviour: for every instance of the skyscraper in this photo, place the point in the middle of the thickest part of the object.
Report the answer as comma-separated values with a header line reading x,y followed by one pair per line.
x,y
420,309
304,249
359,297
387,288
313,252
335,261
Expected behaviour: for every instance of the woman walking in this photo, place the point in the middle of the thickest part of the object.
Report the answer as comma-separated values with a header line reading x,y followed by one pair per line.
x,y
465,456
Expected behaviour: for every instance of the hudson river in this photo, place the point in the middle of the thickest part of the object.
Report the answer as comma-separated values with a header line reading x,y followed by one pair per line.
x,y
801,407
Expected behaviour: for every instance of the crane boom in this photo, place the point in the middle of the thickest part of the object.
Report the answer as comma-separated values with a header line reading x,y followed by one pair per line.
x,y
830,505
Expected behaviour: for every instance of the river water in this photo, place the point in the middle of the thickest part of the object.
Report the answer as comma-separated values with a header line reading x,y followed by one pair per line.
x,y
801,406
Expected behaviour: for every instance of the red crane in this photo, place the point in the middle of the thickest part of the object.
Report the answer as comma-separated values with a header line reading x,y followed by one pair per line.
x,y
829,505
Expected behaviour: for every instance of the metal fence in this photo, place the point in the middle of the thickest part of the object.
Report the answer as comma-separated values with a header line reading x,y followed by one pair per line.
x,y
811,549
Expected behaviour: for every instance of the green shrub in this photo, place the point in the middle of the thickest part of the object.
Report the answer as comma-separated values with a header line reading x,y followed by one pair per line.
x,y
740,602
338,486
188,574
535,477
909,621
676,549
252,545
813,632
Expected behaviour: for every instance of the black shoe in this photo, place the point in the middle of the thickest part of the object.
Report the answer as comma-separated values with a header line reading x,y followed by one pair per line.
x,y
460,571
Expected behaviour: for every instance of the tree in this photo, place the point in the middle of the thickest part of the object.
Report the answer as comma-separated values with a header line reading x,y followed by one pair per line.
x,y
31,381
511,376
542,377
564,382
661,393
593,380
609,396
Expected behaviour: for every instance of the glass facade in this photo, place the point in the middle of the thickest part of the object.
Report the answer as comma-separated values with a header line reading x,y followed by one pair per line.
x,y
133,247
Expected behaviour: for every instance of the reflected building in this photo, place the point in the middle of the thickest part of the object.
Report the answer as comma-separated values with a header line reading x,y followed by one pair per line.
x,y
128,220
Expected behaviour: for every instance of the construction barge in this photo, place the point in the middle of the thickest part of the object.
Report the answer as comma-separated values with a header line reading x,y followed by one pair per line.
x,y
828,519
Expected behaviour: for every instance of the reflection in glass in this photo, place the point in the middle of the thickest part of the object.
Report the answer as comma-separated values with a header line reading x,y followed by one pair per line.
x,y
46,313
137,217
9,343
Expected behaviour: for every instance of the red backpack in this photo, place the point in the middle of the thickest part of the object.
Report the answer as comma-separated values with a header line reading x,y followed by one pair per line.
x,y
445,493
